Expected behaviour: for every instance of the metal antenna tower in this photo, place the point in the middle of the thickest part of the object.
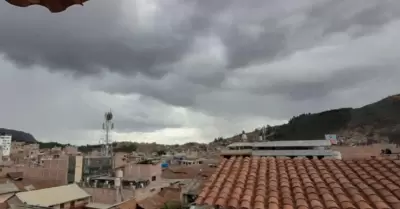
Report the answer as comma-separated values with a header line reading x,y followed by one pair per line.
x,y
108,125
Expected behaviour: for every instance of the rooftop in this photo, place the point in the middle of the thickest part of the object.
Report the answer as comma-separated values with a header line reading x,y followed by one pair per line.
x,y
8,188
167,197
298,143
260,182
52,196
282,153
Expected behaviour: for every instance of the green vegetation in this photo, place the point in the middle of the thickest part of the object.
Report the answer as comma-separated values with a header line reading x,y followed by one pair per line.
x,y
49,145
89,148
161,152
380,118
128,148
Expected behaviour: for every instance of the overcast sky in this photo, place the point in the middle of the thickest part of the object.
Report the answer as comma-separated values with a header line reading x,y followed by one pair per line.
x,y
175,71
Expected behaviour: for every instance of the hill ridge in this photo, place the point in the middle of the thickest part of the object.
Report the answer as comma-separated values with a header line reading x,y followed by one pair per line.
x,y
375,122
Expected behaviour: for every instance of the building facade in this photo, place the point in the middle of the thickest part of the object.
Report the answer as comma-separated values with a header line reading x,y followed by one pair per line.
x,y
96,165
143,171
5,142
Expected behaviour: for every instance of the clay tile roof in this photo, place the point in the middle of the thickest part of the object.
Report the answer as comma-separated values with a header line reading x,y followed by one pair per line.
x,y
261,183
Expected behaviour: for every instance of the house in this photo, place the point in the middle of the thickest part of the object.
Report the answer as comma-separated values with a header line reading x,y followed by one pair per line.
x,y
277,183
148,170
68,196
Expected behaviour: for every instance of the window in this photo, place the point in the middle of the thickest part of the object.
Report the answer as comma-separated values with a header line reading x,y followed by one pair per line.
x,y
62,205
72,204
153,178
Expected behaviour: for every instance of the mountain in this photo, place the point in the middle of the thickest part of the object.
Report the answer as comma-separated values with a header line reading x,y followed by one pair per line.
x,y
376,122
18,136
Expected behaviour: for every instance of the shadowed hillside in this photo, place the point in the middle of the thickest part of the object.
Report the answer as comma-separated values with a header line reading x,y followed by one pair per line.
x,y
378,121
18,136
313,126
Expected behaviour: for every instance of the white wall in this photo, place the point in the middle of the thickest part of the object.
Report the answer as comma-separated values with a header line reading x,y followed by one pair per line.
x,y
78,168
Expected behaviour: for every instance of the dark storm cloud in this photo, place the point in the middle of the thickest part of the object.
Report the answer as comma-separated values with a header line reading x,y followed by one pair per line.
x,y
369,14
276,41
173,90
140,125
83,39
90,39
341,80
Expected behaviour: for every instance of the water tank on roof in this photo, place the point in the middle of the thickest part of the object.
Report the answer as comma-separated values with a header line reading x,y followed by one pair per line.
x,y
337,155
117,182
119,173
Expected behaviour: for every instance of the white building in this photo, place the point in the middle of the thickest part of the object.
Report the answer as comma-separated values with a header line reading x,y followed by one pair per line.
x,y
5,143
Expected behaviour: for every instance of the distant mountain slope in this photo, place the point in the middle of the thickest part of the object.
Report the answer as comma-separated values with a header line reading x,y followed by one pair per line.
x,y
19,136
374,122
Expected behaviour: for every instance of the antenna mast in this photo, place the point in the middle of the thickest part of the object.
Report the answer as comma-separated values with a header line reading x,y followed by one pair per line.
x,y
108,125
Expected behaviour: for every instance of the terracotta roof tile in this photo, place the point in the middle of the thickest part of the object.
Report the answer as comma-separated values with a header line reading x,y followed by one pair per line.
x,y
260,183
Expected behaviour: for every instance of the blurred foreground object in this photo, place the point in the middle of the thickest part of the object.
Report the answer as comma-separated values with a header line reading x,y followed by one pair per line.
x,y
54,6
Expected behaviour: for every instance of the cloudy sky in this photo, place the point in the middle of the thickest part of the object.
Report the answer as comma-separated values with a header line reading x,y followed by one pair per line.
x,y
191,70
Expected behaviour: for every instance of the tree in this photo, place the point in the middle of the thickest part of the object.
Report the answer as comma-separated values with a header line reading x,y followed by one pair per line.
x,y
128,148
49,145
161,152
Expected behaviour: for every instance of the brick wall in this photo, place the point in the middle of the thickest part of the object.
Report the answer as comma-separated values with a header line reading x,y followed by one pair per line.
x,y
55,170
5,170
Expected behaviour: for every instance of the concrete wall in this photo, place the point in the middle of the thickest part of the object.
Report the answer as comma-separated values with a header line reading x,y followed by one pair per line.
x,y
118,159
73,204
106,195
71,150
142,171
362,152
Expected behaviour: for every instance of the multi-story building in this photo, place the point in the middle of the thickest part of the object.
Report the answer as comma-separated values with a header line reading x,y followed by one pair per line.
x,y
31,150
70,150
60,171
145,170
5,143
17,147
96,165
